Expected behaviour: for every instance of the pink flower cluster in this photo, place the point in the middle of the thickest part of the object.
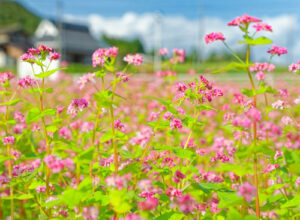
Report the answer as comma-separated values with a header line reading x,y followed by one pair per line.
x,y
269,67
135,59
294,67
43,51
209,38
77,105
117,181
262,27
56,164
100,55
276,50
244,19
27,81
167,73
5,77
119,125
9,140
87,78
247,191
178,56
163,51
270,168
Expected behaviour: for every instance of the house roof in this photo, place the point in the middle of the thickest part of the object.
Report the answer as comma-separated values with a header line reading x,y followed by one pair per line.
x,y
74,38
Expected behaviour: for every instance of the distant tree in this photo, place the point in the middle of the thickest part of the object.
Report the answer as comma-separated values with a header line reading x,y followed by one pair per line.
x,y
14,14
125,46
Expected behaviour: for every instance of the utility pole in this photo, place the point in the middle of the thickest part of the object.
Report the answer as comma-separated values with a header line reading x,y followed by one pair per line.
x,y
157,41
59,17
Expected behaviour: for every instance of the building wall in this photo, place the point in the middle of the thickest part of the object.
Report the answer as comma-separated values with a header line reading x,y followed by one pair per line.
x,y
2,59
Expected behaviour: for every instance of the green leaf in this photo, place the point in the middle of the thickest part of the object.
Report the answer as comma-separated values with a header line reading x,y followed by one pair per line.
x,y
35,183
170,216
3,158
183,153
33,115
256,41
167,104
229,199
72,197
119,201
233,65
293,202
10,103
36,62
48,73
24,196
233,214
248,92
204,107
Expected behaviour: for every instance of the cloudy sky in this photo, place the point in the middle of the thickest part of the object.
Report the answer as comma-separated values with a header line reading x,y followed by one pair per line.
x,y
179,23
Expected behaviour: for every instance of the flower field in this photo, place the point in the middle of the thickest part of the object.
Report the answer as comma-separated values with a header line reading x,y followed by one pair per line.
x,y
112,145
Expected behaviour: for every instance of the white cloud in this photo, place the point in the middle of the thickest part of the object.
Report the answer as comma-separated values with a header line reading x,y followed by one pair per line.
x,y
181,32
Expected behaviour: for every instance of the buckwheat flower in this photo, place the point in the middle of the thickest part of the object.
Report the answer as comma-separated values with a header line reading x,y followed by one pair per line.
x,y
278,154
179,52
33,51
27,81
65,133
87,78
18,116
233,177
16,154
297,101
98,57
186,204
40,189
278,105
173,193
9,140
5,77
260,75
175,123
132,216
90,213
179,175
111,52
119,125
294,67
270,168
123,76
277,50
163,51
148,205
87,126
26,57
209,38
286,120
181,87
297,182
168,115
214,206
135,59
262,27
245,19
254,114
247,191
54,56
44,49
77,105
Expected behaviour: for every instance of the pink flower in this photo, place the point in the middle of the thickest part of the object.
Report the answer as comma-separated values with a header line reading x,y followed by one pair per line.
x,y
175,123
118,125
27,81
54,56
254,114
186,204
247,191
297,182
135,59
277,50
260,75
245,19
149,204
33,51
87,78
278,105
294,67
277,154
173,193
9,140
163,51
40,189
19,117
270,168
181,87
26,57
168,116
209,38
77,105
262,27
65,133
90,213
286,120
98,57
44,49
5,77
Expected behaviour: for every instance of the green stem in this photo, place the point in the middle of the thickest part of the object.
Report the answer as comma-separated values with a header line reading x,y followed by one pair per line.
x,y
113,141
233,53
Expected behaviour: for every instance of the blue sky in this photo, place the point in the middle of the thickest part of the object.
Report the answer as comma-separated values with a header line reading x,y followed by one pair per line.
x,y
189,8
